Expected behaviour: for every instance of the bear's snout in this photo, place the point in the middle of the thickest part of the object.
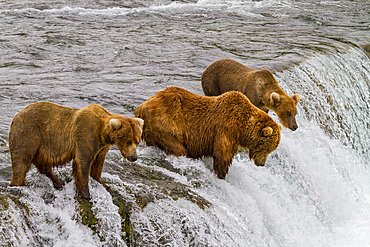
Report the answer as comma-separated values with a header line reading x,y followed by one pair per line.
x,y
288,120
259,158
257,163
132,158
293,125
129,153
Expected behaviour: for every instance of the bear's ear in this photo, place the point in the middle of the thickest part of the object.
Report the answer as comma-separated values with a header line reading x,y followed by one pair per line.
x,y
267,131
115,123
274,98
140,121
296,98
280,128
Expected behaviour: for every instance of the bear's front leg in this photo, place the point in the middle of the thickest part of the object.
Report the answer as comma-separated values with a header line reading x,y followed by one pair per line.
x,y
81,172
87,148
97,165
223,153
221,166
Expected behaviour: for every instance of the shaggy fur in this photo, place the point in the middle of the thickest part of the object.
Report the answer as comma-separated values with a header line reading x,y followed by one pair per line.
x,y
48,135
185,124
260,86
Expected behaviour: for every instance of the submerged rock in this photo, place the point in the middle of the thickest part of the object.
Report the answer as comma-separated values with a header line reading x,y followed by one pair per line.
x,y
149,185
145,185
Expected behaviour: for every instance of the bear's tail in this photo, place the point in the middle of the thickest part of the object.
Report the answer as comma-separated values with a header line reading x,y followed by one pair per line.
x,y
139,111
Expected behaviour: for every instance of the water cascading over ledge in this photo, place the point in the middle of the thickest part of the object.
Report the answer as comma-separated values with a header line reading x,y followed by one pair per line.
x,y
335,95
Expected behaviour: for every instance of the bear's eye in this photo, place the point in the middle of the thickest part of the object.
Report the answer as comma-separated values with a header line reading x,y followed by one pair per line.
x,y
129,143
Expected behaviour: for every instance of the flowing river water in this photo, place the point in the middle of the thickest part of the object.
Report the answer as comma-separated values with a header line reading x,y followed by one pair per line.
x,y
315,187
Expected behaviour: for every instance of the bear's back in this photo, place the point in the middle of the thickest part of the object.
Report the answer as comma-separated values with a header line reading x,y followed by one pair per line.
x,y
41,113
224,75
97,110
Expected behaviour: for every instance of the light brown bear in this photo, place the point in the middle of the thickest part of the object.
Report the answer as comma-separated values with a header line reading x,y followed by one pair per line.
x,y
260,86
48,135
185,124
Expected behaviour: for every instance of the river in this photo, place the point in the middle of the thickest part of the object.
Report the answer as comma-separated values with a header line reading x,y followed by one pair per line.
x,y
315,187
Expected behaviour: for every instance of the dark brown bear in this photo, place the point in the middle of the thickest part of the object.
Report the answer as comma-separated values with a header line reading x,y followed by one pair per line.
x,y
185,124
260,86
48,135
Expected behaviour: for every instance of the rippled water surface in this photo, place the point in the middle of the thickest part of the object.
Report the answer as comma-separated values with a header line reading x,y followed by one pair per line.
x,y
315,190
121,52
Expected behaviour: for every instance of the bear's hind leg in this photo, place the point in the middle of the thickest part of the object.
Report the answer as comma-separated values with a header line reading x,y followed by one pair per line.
x,y
22,152
47,170
20,167
173,146
165,141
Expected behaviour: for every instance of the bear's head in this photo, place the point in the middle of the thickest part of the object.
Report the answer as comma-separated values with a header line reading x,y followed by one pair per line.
x,y
266,141
125,133
286,109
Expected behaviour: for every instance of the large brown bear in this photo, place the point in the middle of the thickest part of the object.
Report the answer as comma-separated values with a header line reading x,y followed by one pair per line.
x,y
185,124
260,86
48,135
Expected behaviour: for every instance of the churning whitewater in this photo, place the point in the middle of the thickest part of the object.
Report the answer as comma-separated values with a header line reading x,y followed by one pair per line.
x,y
315,187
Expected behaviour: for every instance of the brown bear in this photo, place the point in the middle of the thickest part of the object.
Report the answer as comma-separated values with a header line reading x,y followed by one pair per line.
x,y
186,124
48,135
260,86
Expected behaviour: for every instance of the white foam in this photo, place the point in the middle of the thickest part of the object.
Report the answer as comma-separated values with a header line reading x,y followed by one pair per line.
x,y
201,7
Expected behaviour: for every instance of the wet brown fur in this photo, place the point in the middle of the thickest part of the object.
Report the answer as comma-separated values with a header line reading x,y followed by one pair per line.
x,y
49,135
185,124
226,75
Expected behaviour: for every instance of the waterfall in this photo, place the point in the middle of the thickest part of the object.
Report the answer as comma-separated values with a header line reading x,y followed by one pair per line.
x,y
335,95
